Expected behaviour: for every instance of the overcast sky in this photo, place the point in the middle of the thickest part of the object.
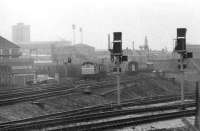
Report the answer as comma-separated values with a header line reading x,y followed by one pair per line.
x,y
53,19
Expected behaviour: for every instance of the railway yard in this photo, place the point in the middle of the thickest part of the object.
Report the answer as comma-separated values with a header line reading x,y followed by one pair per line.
x,y
99,65
91,104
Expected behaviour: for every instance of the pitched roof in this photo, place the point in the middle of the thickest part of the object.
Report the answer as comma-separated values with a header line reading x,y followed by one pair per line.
x,y
4,43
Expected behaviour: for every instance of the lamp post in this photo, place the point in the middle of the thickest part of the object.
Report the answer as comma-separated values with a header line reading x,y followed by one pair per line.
x,y
74,35
81,35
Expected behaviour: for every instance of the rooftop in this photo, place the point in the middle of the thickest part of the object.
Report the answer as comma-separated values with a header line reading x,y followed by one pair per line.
x,y
4,43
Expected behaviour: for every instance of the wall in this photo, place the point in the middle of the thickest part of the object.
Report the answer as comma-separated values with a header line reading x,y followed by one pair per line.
x,y
5,75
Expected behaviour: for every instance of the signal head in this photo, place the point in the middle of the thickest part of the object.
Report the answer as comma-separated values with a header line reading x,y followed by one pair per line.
x,y
117,36
181,32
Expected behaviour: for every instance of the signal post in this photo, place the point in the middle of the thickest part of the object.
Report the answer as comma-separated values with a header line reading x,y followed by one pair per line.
x,y
117,58
180,48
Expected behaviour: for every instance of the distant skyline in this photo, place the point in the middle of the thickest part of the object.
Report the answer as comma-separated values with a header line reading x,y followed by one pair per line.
x,y
53,20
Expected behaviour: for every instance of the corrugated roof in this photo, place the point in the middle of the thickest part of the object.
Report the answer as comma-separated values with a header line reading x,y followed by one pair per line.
x,y
4,43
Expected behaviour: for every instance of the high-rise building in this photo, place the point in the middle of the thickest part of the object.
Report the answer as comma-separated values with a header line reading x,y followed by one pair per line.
x,y
21,33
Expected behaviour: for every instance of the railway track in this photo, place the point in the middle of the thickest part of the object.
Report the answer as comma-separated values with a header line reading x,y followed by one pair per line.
x,y
23,96
8,93
120,123
112,106
20,92
75,117
108,107
112,80
104,83
35,96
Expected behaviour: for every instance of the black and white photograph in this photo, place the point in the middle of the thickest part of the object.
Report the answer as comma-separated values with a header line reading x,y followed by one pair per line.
x,y
99,65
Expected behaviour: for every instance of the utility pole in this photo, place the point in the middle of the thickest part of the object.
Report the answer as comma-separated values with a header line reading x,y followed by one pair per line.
x,y
74,34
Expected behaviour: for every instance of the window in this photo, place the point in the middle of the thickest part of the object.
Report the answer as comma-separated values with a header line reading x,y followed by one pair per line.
x,y
5,52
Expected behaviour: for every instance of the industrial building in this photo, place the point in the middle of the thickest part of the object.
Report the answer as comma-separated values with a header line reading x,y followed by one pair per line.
x,y
14,69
